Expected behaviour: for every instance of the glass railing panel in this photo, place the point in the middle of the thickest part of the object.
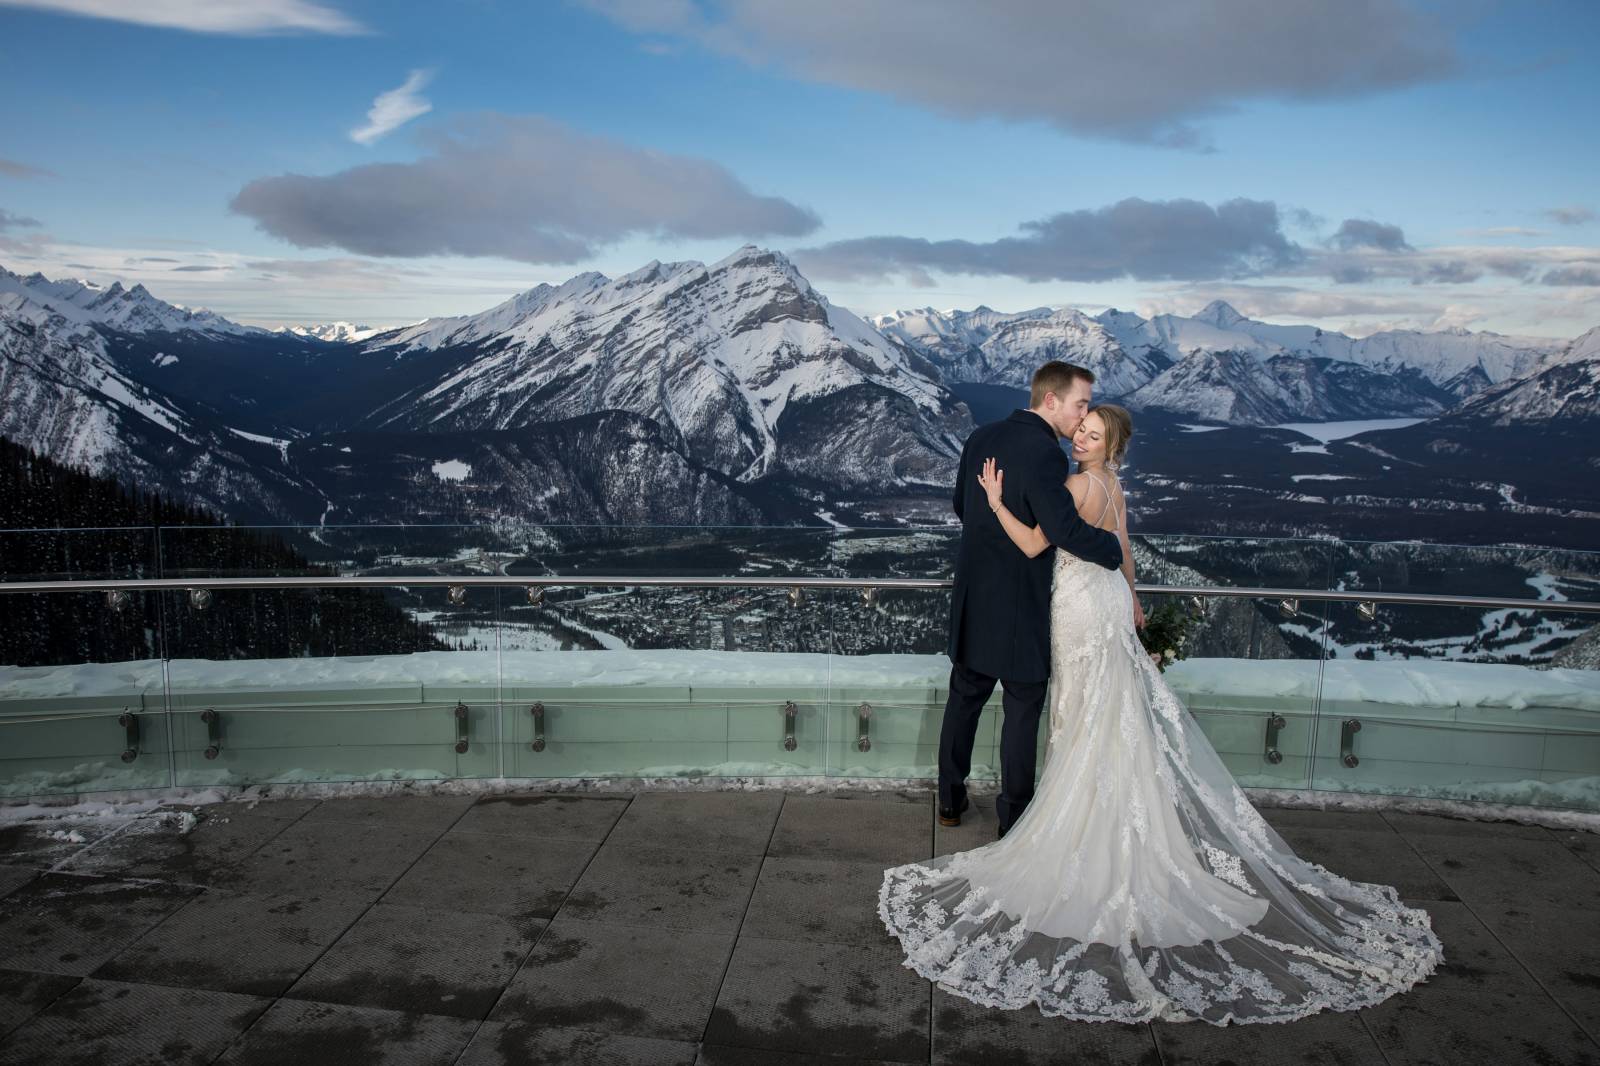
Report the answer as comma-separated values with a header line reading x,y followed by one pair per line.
x,y
889,676
82,704
888,680
1247,669
1467,703
333,684
327,685
666,682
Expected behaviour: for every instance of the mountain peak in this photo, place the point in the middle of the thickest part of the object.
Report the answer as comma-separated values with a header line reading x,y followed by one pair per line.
x,y
1221,314
132,310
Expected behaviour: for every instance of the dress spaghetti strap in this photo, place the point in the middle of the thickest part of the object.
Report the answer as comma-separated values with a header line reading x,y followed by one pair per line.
x,y
1108,504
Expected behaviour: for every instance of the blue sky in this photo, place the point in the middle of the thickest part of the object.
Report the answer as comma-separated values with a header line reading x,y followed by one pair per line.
x,y
894,149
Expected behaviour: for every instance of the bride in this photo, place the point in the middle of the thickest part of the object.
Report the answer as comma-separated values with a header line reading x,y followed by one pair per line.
x,y
1139,883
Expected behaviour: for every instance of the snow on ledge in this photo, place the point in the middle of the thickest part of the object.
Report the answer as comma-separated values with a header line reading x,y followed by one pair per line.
x,y
1395,683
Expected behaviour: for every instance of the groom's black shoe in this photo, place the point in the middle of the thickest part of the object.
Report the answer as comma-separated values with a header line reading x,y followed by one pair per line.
x,y
948,817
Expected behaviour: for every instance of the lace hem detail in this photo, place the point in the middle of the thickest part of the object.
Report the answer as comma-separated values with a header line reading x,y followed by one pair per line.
x,y
975,950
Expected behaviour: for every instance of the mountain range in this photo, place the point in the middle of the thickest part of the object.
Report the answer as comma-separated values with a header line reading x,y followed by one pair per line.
x,y
686,393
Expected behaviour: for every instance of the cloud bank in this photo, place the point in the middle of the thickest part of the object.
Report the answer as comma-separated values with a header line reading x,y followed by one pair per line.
x,y
519,187
1134,238
1136,72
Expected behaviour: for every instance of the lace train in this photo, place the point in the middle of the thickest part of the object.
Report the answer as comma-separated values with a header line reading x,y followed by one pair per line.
x,y
1140,883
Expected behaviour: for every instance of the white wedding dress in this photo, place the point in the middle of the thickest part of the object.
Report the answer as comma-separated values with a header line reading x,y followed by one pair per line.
x,y
1140,883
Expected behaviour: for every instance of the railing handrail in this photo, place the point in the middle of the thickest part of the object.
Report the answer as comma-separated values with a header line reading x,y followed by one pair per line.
x,y
187,584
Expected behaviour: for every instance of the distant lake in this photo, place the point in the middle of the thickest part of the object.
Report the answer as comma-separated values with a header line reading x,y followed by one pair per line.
x,y
1328,431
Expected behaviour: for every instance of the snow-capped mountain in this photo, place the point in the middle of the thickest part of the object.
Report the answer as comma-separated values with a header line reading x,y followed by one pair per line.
x,y
754,371
1565,391
62,394
1220,365
1442,358
952,340
333,332
135,310
1248,389
989,348
735,393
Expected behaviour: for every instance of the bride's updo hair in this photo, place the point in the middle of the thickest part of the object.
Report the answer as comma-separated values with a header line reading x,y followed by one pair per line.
x,y
1119,431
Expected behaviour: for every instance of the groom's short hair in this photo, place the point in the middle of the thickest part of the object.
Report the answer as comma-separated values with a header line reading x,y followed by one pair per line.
x,y
1057,377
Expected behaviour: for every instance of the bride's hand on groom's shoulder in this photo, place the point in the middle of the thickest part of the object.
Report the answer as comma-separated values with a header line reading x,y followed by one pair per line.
x,y
992,478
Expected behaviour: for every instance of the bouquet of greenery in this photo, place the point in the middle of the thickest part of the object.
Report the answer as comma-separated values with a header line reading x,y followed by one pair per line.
x,y
1166,631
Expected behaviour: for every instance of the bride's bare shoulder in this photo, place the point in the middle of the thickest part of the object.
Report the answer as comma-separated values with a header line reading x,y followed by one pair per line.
x,y
1078,485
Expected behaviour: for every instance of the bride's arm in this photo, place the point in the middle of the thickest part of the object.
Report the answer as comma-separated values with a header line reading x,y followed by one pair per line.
x,y
1028,538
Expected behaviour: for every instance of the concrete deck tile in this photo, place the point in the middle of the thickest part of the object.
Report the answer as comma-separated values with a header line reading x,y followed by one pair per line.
x,y
667,889
969,1034
723,1055
1332,1038
828,999
543,817
237,943
310,1034
887,831
740,822
491,873
519,1043
825,900
14,877
23,994
417,959
609,978
111,1023
1502,871
71,925
418,812
1480,1007
156,850
330,856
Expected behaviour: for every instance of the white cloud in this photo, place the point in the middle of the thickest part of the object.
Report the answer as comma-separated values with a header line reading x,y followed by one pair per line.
x,y
238,17
395,108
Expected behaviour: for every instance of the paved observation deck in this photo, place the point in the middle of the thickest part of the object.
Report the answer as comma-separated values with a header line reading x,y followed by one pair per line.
x,y
692,927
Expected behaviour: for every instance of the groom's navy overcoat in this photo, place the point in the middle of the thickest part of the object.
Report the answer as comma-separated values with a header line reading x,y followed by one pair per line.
x,y
1000,608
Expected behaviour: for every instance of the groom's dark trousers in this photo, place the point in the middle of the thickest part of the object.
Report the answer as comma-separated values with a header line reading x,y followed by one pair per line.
x,y
1023,702
1000,606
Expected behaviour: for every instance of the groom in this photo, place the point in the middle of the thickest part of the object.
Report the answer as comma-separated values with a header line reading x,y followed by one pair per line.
x,y
1000,609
